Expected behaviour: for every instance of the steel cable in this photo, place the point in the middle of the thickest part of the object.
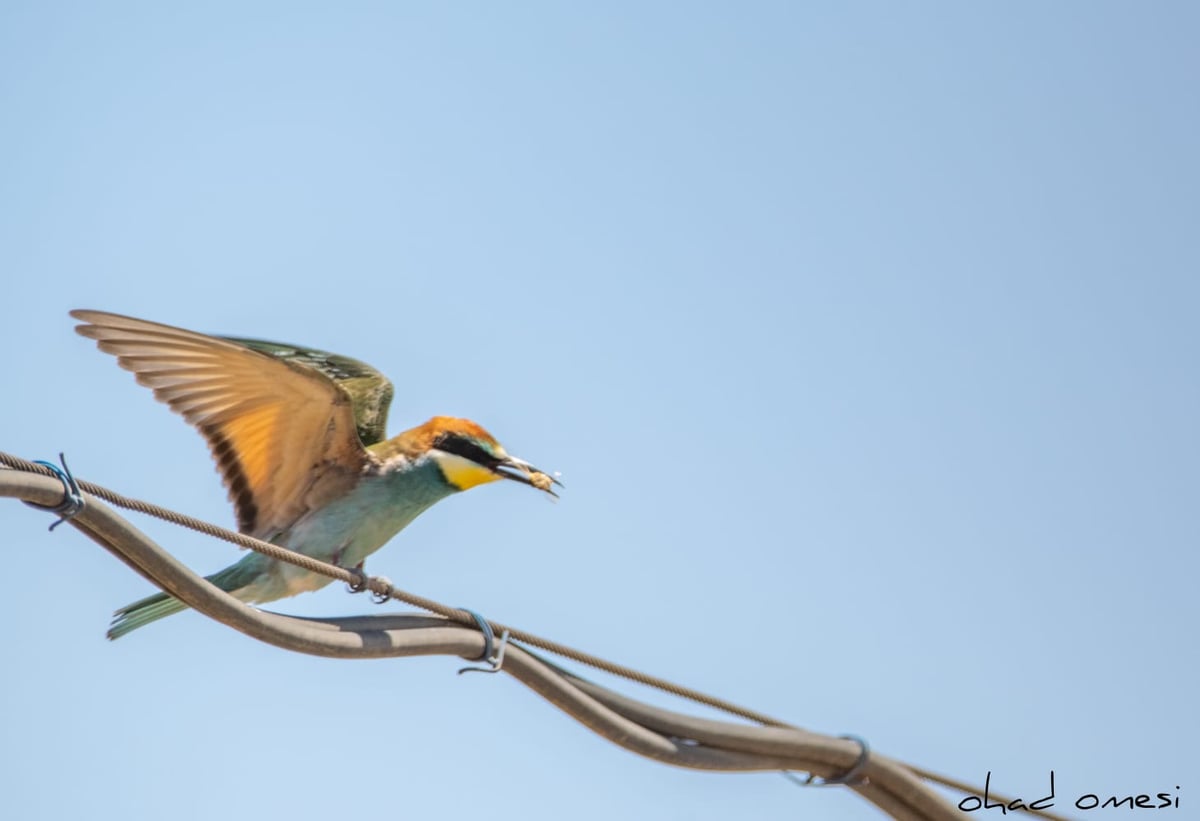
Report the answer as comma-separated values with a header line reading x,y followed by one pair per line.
x,y
649,731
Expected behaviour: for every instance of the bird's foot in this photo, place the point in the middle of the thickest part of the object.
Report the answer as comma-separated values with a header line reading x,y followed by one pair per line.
x,y
359,585
384,596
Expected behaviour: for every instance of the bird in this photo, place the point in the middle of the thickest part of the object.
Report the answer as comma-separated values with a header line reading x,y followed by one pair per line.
x,y
298,436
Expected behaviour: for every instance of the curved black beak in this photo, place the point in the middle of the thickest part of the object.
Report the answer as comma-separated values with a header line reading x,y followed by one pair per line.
x,y
510,467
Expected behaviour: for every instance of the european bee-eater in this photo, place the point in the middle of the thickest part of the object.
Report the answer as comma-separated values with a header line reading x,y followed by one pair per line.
x,y
298,437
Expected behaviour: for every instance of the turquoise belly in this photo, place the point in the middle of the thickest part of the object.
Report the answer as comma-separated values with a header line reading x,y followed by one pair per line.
x,y
345,531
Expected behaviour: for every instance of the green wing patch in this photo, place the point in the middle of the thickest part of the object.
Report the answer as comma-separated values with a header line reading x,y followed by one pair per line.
x,y
370,391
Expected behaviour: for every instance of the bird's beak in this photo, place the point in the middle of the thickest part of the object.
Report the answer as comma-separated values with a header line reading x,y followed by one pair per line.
x,y
510,467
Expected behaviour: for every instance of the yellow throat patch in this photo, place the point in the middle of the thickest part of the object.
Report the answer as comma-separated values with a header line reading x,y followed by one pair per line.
x,y
462,473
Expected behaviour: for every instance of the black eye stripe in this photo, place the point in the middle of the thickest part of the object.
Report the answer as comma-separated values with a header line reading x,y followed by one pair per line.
x,y
467,450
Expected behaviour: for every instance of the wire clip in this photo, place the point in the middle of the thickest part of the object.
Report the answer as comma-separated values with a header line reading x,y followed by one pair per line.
x,y
72,501
851,778
493,654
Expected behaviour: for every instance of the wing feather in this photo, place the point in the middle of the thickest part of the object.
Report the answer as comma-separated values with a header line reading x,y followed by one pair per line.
x,y
370,391
284,436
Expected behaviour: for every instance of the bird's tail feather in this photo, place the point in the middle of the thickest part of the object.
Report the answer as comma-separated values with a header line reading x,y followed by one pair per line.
x,y
142,612
152,608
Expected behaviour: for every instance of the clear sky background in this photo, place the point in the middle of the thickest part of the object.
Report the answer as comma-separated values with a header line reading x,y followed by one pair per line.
x,y
864,335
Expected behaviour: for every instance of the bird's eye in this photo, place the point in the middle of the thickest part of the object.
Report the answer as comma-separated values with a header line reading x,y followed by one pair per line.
x,y
467,450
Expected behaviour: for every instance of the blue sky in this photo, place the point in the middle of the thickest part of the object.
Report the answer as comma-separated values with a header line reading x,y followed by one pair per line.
x,y
864,336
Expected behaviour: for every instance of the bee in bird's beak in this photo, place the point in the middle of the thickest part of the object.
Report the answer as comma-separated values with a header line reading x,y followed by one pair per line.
x,y
510,467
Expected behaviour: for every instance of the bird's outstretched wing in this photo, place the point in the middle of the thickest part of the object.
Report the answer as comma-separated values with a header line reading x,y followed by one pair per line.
x,y
283,434
370,391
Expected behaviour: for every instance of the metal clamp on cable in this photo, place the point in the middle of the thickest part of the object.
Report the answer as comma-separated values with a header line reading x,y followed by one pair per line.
x,y
851,778
494,662
72,501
